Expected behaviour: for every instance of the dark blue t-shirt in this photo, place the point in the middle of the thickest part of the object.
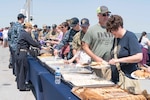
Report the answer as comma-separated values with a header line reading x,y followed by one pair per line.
x,y
128,45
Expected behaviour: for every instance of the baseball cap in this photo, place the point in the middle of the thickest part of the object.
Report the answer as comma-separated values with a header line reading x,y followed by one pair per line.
x,y
11,23
74,21
21,16
102,9
84,22
28,24
54,26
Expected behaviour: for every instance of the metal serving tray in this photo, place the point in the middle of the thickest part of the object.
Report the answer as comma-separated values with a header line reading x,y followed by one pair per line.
x,y
86,80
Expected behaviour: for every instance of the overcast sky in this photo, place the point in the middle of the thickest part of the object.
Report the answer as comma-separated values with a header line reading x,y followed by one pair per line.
x,y
134,12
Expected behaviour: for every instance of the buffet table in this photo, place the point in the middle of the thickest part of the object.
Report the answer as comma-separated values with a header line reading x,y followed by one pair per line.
x,y
42,77
45,87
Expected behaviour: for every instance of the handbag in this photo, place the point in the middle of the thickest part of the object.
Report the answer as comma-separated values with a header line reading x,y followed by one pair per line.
x,y
126,83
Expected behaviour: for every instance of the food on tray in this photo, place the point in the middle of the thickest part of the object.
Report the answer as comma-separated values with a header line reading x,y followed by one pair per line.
x,y
45,54
105,93
86,80
141,74
99,65
55,62
75,70
95,63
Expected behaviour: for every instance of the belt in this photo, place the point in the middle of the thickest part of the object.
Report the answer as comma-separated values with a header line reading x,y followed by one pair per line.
x,y
24,50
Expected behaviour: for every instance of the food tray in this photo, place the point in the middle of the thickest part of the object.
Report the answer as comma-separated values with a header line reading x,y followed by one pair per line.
x,y
104,93
80,70
86,80
52,62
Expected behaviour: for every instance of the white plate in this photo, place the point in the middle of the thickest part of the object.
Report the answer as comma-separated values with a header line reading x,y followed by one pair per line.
x,y
134,76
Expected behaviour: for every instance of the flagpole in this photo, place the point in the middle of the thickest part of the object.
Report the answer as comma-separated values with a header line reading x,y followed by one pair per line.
x,y
28,10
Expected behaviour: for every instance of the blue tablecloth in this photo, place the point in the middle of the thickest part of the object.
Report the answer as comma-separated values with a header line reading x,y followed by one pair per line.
x,y
34,76
52,91
44,84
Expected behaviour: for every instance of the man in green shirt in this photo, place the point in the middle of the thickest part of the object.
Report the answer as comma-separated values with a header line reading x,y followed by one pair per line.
x,y
97,42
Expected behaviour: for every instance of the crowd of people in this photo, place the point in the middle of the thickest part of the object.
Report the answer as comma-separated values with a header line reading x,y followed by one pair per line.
x,y
77,42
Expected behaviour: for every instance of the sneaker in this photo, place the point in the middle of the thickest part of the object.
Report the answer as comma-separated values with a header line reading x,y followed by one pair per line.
x,y
26,89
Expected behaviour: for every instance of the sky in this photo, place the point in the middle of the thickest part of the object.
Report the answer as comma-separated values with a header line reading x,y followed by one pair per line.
x,y
135,13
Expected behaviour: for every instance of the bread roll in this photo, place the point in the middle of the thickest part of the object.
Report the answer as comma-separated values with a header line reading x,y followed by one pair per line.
x,y
46,54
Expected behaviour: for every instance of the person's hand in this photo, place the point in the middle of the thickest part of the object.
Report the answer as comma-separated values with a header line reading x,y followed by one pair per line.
x,y
52,42
144,68
45,48
67,61
113,61
148,69
55,52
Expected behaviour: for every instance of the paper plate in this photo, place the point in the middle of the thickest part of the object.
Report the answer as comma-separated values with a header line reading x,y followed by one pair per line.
x,y
136,77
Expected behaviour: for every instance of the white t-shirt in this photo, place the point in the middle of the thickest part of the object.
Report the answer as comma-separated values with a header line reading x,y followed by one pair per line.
x,y
144,42
83,57
5,34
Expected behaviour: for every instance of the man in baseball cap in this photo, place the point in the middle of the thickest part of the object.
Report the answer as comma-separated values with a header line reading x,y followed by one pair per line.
x,y
15,32
97,42
74,21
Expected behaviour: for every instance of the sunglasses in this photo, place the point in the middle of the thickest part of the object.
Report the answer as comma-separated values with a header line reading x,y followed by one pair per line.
x,y
106,14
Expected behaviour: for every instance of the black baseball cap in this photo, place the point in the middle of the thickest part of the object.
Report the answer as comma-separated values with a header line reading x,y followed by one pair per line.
x,y
84,22
21,16
74,21
54,26
35,26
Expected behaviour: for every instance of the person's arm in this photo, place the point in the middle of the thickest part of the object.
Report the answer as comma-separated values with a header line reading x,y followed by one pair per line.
x,y
70,60
135,54
9,35
54,42
30,40
75,45
62,43
130,59
73,58
76,58
86,48
148,69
